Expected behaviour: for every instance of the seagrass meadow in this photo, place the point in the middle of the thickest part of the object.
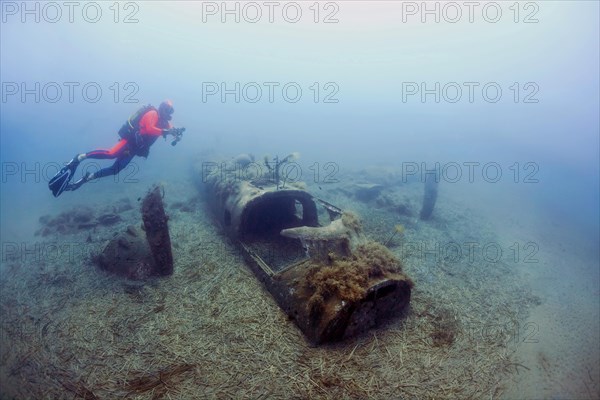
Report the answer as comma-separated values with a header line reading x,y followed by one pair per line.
x,y
69,330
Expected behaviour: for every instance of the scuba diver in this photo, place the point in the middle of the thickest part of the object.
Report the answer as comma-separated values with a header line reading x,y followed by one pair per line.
x,y
137,134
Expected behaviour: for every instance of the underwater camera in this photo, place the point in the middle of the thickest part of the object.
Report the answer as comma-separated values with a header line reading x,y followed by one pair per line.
x,y
178,133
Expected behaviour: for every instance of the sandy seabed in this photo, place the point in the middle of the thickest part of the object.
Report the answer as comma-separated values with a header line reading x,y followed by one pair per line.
x,y
69,330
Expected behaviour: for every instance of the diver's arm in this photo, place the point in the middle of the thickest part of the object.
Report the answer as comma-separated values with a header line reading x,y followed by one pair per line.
x,y
148,124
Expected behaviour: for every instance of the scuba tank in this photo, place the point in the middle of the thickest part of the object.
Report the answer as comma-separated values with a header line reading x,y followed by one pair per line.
x,y
130,129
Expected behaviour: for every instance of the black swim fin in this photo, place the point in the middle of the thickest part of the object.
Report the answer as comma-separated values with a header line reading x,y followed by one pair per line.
x,y
61,180
77,184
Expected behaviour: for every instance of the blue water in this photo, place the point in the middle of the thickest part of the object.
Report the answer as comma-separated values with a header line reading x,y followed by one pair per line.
x,y
367,61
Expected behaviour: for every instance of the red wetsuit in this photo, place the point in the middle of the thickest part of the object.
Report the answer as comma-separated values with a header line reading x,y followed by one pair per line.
x,y
151,127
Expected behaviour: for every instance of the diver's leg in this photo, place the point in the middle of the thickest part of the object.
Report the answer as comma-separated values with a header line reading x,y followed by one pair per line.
x,y
114,169
115,152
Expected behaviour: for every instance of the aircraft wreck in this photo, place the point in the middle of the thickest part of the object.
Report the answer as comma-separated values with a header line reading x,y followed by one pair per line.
x,y
311,256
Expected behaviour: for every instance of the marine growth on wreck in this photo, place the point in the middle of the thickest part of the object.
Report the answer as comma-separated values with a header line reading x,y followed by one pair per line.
x,y
311,256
